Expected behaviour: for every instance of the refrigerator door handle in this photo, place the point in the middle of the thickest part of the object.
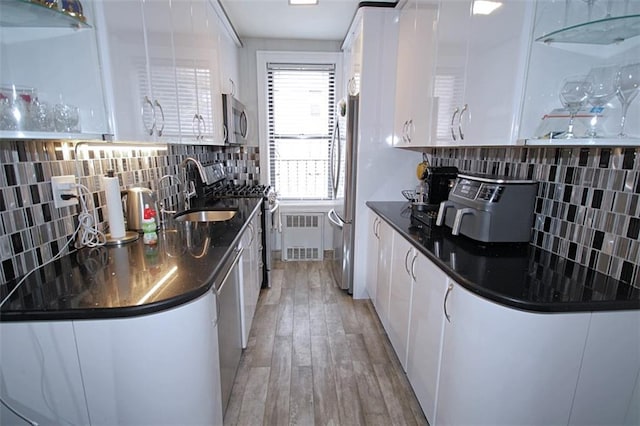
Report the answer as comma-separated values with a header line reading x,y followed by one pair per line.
x,y
333,171
335,219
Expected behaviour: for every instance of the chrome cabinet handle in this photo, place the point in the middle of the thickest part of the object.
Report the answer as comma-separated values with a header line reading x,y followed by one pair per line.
x,y
193,126
251,230
233,87
375,227
162,115
413,266
410,130
215,294
204,127
153,116
444,305
244,124
464,109
406,257
453,119
225,134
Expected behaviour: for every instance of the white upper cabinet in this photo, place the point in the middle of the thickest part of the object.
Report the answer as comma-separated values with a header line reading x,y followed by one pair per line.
x,y
138,46
414,75
353,59
479,72
198,56
50,79
570,40
164,70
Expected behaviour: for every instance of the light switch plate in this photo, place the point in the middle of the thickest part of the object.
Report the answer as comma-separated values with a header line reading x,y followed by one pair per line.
x,y
64,185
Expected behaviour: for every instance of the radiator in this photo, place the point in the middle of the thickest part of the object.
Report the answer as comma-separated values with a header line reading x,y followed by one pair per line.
x,y
302,236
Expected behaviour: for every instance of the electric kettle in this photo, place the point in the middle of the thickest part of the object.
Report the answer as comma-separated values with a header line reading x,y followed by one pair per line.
x,y
136,200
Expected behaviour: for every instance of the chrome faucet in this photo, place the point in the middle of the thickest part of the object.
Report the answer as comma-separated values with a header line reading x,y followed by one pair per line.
x,y
190,187
164,211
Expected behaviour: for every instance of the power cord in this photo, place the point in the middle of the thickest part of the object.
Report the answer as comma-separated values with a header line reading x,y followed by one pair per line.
x,y
90,236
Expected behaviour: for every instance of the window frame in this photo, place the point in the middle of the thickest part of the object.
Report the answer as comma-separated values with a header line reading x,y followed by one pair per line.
x,y
262,59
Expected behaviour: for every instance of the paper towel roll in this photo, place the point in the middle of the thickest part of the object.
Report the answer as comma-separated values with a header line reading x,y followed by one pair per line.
x,y
115,217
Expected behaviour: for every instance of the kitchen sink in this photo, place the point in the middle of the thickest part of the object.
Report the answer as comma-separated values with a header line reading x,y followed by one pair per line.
x,y
205,216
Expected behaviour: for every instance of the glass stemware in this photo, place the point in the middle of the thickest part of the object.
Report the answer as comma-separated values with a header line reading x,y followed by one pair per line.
x,y
628,85
603,89
574,94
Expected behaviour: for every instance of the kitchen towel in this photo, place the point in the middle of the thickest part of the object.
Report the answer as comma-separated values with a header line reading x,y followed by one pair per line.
x,y
115,216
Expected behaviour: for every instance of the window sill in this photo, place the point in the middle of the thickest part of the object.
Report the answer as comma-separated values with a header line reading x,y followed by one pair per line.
x,y
307,205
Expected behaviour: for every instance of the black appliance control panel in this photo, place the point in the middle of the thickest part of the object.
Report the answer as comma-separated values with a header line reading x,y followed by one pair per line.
x,y
474,190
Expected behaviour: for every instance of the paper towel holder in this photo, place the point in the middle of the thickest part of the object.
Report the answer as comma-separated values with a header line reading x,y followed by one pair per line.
x,y
129,236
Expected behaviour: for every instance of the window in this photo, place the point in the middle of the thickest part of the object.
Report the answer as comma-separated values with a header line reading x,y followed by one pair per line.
x,y
300,105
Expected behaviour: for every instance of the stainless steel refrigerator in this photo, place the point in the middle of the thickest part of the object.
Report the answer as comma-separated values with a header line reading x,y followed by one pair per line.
x,y
343,163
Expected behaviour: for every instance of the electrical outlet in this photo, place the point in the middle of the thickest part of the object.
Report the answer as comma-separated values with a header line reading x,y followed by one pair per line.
x,y
64,185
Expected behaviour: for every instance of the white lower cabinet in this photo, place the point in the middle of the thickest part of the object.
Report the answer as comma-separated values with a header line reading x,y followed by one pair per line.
x,y
401,285
472,361
158,369
383,268
40,374
502,366
250,288
425,333
609,362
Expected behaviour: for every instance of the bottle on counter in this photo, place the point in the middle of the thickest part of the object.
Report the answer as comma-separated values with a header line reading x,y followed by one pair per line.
x,y
149,234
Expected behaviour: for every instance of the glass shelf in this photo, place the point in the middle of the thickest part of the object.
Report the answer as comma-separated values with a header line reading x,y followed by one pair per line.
x,y
604,31
23,13
631,141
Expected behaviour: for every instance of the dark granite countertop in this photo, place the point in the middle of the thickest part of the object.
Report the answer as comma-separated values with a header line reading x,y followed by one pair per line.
x,y
516,275
132,279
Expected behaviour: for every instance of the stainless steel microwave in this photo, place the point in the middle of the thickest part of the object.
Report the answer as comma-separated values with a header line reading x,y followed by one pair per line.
x,y
236,125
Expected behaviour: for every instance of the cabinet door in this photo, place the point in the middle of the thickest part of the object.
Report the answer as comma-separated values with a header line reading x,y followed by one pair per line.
x,y
161,368
414,79
56,64
609,371
131,95
495,72
400,296
385,251
454,24
40,373
405,74
425,332
161,68
372,256
496,360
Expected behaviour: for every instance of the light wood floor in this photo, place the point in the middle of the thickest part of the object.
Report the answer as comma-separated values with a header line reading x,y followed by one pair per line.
x,y
316,356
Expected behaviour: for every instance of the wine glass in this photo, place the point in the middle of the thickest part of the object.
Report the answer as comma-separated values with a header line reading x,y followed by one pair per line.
x,y
628,85
603,89
574,94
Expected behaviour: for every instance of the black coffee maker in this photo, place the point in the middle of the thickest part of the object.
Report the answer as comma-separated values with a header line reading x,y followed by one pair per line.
x,y
436,183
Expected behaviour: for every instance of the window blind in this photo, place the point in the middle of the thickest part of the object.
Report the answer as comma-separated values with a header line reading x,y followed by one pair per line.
x,y
301,112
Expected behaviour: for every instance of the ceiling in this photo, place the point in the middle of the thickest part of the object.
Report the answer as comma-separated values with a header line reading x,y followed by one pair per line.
x,y
328,20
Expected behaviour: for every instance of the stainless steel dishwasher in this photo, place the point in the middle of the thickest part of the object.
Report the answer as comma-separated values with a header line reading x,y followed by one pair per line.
x,y
227,287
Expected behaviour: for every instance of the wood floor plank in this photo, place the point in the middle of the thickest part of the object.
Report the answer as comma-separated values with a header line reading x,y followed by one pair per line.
x,y
278,393
317,320
333,318
350,319
349,407
284,326
235,400
255,395
371,398
301,404
325,398
397,406
301,336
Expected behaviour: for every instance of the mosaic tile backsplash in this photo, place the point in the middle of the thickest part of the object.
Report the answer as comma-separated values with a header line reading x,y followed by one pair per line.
x,y
587,208
32,231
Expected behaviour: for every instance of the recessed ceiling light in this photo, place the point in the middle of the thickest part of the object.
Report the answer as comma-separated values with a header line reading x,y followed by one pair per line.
x,y
482,7
303,2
